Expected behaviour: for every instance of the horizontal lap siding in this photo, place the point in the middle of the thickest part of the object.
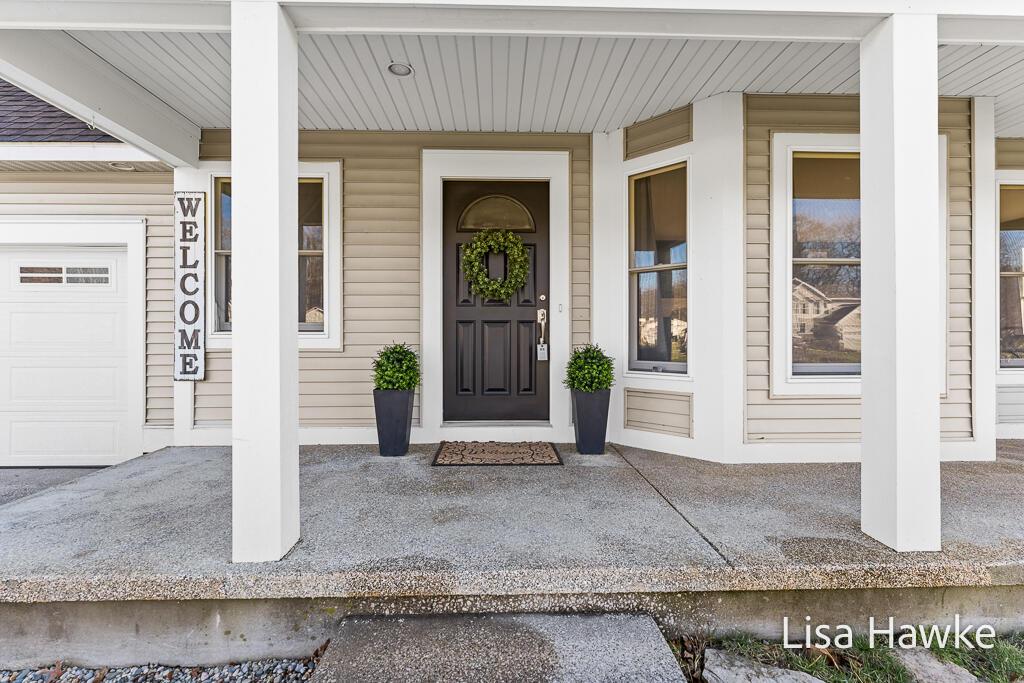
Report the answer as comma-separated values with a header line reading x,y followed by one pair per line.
x,y
773,418
143,195
1010,404
381,266
1010,153
661,132
663,412
1010,399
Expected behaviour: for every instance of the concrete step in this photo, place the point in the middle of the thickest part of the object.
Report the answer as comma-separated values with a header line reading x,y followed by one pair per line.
x,y
510,647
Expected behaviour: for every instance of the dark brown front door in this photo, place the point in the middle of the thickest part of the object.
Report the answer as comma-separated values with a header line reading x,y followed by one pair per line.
x,y
491,370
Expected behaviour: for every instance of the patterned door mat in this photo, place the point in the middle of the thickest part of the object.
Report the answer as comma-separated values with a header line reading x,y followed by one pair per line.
x,y
496,453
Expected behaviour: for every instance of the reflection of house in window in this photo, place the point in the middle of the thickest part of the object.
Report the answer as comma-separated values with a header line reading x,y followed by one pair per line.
x,y
822,323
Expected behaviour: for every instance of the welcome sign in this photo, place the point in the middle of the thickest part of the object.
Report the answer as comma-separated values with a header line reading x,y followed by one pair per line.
x,y
189,285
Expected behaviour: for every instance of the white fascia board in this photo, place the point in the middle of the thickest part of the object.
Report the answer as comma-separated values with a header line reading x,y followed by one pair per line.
x,y
880,8
72,151
590,22
58,69
115,15
981,31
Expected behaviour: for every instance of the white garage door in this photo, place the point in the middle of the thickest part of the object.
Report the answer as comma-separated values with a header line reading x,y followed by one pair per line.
x,y
66,355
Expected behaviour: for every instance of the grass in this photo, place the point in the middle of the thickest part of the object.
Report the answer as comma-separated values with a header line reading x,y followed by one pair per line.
x,y
1004,663
860,663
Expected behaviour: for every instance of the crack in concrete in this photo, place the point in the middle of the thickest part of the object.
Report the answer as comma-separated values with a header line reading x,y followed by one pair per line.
x,y
679,512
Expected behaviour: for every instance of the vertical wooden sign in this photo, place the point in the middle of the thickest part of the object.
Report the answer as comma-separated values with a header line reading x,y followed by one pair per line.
x,y
189,286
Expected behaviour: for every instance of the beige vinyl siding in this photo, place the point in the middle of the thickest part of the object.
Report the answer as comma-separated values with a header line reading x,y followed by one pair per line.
x,y
381,261
145,195
1010,153
773,418
1010,404
663,412
661,132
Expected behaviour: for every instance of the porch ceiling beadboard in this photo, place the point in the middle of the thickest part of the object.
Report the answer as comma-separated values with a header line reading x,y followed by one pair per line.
x,y
773,418
536,84
381,261
78,193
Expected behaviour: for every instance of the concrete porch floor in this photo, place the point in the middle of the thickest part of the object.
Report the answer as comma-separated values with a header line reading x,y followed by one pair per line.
x,y
630,521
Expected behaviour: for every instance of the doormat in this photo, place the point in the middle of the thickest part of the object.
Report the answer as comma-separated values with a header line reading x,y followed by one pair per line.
x,y
496,453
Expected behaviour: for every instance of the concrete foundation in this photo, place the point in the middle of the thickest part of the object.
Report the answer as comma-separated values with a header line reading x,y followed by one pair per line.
x,y
204,632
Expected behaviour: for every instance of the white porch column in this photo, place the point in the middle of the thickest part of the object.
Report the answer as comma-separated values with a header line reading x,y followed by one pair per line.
x,y
902,331
265,360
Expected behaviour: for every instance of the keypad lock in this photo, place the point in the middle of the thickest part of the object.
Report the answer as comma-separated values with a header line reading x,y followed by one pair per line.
x,y
542,323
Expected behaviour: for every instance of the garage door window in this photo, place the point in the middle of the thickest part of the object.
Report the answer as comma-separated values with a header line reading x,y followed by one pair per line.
x,y
64,275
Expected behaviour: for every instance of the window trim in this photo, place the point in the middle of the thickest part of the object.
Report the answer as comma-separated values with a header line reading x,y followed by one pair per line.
x,y
330,338
782,380
647,165
1007,376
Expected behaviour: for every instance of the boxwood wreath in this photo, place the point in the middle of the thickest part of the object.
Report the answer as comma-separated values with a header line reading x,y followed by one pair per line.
x,y
474,264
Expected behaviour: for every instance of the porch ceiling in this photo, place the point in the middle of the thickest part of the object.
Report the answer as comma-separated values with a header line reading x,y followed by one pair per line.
x,y
537,84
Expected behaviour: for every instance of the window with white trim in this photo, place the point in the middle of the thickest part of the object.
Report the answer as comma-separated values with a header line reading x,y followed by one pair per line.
x,y
1011,276
816,261
658,270
318,250
825,288
311,236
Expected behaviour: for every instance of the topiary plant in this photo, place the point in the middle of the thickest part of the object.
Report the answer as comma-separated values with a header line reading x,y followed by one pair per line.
x,y
396,367
590,369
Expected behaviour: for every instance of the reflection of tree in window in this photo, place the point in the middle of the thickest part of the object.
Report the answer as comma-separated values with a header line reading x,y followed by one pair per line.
x,y
311,253
658,270
1011,276
826,263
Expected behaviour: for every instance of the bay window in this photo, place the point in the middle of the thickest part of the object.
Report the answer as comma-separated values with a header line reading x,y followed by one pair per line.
x,y
658,269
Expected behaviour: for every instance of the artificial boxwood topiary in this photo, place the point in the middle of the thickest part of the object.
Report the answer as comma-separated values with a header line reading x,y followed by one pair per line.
x,y
396,367
474,264
590,369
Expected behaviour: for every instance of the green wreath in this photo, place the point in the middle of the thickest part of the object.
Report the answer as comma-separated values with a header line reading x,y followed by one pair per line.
x,y
474,264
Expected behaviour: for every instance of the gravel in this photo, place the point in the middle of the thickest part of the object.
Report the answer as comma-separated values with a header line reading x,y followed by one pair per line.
x,y
263,671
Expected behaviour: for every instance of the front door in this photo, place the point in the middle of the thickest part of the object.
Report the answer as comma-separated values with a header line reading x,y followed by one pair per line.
x,y
491,369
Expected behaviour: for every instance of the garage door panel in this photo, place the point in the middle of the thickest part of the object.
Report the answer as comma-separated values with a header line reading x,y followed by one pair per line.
x,y
66,355
86,385
59,327
62,440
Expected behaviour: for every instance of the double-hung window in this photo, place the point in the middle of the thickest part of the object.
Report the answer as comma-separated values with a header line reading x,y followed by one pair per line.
x,y
1011,276
658,270
825,288
815,283
311,225
318,252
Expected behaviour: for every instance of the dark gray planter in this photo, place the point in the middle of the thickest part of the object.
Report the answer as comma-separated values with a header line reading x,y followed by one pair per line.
x,y
590,419
393,409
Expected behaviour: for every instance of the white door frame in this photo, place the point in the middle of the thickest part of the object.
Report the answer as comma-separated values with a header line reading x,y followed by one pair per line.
x,y
93,231
440,165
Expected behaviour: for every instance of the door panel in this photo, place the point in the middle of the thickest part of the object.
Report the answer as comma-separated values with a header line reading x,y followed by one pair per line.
x,y
491,370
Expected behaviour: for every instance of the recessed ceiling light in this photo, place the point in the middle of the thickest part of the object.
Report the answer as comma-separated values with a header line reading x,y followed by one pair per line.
x,y
399,69
121,166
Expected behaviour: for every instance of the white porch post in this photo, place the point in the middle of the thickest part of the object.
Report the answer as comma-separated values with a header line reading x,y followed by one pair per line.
x,y
264,361
902,329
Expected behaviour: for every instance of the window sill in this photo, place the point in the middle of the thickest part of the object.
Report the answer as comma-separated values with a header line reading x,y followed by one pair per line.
x,y
824,385
667,377
307,341
1010,376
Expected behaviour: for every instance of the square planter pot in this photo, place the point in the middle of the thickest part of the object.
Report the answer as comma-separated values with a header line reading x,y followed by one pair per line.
x,y
393,409
590,420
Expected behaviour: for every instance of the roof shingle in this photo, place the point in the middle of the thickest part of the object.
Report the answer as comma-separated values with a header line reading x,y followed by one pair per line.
x,y
26,118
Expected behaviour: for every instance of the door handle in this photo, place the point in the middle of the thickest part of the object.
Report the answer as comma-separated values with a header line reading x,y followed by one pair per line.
x,y
542,320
